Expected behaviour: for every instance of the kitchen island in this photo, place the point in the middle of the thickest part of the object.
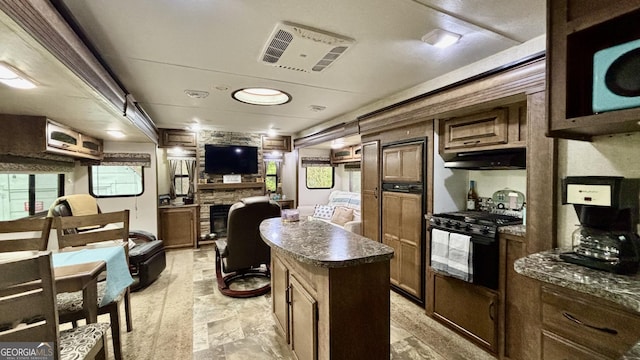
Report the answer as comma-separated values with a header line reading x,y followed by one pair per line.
x,y
585,311
330,290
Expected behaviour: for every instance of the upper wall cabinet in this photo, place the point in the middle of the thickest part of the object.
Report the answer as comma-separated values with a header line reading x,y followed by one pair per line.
x,y
347,154
592,61
277,143
28,135
498,128
177,137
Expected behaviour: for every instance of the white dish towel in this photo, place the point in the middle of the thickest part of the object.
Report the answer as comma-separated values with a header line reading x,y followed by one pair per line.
x,y
439,250
460,264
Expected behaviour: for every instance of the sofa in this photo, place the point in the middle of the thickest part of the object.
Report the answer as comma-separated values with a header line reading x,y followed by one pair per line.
x,y
342,209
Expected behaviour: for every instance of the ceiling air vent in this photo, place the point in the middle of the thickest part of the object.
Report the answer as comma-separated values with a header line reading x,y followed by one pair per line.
x,y
299,48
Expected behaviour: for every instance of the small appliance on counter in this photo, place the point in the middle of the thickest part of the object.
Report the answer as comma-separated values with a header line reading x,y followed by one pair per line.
x,y
607,208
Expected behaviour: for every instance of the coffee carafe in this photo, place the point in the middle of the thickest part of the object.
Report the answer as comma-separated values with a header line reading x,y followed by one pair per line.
x,y
607,209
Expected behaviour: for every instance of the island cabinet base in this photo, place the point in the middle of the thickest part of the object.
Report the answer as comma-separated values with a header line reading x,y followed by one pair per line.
x,y
332,313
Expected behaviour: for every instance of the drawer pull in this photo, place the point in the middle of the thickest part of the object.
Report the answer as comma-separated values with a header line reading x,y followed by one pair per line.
x,y
578,321
474,142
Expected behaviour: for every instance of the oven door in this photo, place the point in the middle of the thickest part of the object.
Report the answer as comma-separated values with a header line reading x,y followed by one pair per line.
x,y
484,258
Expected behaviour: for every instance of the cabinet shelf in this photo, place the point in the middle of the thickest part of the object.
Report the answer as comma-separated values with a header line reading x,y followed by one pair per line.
x,y
577,29
234,186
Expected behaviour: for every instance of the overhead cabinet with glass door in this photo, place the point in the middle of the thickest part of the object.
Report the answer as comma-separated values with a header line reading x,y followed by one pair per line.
x,y
24,135
346,154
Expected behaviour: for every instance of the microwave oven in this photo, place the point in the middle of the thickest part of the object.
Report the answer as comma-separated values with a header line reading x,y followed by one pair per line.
x,y
616,77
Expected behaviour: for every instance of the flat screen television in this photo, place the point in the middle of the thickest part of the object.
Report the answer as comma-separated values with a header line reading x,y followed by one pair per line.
x,y
230,159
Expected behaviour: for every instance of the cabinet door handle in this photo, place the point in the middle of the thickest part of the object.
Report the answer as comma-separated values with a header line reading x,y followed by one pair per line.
x,y
579,322
375,192
288,296
474,142
492,310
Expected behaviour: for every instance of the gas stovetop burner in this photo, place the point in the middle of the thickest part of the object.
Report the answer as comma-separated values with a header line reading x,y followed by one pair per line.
x,y
481,217
473,222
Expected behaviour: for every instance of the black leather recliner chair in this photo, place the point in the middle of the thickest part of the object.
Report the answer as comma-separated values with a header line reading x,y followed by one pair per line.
x,y
147,259
243,252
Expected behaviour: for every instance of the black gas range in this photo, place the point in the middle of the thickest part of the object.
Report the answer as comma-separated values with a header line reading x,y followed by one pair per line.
x,y
474,223
482,229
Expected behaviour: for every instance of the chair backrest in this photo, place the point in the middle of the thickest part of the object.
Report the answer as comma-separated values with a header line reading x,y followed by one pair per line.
x,y
245,247
103,232
26,234
27,302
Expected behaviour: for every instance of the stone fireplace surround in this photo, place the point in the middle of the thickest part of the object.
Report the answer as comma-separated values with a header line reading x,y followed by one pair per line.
x,y
205,195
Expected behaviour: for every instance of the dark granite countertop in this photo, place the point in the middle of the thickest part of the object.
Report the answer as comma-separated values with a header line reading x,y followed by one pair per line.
x,y
517,230
321,244
547,267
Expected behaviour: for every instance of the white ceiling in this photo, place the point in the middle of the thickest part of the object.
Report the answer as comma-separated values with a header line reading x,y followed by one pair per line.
x,y
160,48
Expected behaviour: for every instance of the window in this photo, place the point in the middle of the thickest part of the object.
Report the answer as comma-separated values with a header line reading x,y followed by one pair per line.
x,y
116,181
354,181
319,177
23,195
271,176
181,179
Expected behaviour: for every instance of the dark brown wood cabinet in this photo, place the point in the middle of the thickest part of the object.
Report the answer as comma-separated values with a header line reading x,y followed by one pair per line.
x,y
402,230
179,225
177,137
32,135
295,309
276,143
576,30
325,312
498,128
370,194
469,308
402,163
576,323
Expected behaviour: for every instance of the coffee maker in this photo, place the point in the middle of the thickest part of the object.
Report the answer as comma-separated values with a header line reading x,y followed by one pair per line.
x,y
607,208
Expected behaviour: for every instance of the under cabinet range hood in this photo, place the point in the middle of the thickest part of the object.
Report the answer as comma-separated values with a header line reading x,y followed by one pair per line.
x,y
511,159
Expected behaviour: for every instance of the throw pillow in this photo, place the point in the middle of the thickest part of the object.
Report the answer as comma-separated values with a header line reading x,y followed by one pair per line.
x,y
323,212
342,215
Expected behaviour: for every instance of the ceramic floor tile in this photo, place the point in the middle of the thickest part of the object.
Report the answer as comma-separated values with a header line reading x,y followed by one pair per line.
x,y
237,329
224,331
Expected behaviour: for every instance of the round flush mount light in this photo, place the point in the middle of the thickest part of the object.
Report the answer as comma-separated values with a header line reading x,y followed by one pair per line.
x,y
261,96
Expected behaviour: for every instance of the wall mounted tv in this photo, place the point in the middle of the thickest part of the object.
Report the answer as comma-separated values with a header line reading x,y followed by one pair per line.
x,y
230,159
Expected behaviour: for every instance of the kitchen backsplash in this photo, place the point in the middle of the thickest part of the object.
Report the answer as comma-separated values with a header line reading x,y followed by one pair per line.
x,y
490,181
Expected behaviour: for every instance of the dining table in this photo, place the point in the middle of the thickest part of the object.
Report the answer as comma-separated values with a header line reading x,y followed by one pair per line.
x,y
79,269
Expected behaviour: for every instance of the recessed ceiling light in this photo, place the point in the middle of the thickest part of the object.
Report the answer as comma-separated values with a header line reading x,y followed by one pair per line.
x,y
13,77
441,38
196,94
317,108
261,96
116,133
272,132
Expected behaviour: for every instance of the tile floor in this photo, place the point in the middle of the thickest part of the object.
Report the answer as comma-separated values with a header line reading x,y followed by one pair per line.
x,y
237,329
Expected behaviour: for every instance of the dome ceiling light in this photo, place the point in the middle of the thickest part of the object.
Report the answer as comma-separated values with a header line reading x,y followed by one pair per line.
x,y
261,96
441,38
196,94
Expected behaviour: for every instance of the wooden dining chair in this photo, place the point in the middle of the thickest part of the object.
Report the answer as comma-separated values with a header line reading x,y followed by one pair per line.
x,y
103,228
28,312
26,234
